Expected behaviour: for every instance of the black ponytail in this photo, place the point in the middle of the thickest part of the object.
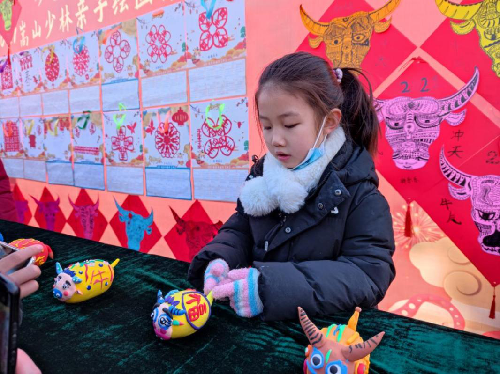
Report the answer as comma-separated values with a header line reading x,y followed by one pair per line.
x,y
359,117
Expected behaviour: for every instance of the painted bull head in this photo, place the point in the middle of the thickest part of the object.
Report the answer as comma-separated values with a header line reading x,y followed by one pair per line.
x,y
329,353
21,209
484,192
135,225
484,17
412,125
347,39
86,213
65,282
6,10
198,233
49,210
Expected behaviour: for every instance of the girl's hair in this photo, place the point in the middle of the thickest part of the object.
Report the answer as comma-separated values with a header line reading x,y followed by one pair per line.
x,y
311,77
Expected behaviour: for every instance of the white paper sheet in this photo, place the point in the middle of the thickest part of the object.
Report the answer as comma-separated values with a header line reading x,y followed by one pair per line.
x,y
86,98
34,170
170,183
164,89
217,81
9,107
125,93
60,173
30,105
55,102
126,180
14,167
218,185
89,176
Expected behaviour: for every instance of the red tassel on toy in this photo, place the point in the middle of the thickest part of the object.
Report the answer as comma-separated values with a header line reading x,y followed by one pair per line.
x,y
493,307
408,223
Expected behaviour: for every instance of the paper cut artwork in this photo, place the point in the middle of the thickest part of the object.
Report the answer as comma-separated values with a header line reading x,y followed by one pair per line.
x,y
215,33
83,60
220,133
162,44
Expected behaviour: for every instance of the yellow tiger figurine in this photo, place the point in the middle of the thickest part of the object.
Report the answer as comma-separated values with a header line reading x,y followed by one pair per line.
x,y
83,281
180,313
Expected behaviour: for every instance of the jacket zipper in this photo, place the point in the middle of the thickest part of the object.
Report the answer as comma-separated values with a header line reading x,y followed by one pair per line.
x,y
282,222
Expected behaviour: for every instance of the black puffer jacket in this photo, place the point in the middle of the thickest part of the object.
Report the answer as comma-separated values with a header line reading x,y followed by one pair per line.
x,y
335,253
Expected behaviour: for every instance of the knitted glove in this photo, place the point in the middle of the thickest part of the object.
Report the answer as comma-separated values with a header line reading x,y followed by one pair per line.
x,y
241,287
215,272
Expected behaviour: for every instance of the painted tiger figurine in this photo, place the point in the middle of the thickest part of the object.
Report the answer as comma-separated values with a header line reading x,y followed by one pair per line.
x,y
337,349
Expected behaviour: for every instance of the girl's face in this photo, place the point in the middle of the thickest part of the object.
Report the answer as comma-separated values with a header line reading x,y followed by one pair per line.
x,y
289,125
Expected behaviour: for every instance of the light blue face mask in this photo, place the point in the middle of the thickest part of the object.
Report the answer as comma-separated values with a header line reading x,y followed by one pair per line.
x,y
314,153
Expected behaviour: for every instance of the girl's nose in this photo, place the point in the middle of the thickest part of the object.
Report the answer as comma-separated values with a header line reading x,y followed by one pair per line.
x,y
278,139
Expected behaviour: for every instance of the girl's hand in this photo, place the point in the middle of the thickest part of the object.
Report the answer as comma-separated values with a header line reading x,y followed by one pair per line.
x,y
241,287
25,277
215,273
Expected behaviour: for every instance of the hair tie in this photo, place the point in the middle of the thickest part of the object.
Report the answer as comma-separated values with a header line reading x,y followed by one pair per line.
x,y
338,74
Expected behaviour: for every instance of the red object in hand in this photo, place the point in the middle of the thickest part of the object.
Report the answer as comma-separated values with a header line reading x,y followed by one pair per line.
x,y
41,258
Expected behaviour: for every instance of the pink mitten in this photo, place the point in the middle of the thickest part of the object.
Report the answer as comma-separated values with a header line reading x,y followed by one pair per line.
x,y
241,287
215,272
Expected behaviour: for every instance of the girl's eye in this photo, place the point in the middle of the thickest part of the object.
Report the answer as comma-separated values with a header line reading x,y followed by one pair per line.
x,y
267,127
291,126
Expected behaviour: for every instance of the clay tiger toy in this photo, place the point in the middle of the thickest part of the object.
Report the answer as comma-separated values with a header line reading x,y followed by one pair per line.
x,y
41,258
180,313
83,281
337,349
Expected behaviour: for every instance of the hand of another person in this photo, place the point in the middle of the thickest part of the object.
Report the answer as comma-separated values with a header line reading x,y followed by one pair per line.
x,y
25,277
25,365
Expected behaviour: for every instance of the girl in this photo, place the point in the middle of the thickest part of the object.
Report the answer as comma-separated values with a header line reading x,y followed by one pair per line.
x,y
311,228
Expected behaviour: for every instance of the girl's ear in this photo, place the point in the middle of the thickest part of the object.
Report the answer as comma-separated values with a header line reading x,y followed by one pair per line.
x,y
332,120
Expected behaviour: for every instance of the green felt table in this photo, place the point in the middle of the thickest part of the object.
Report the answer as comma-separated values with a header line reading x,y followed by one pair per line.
x,y
113,332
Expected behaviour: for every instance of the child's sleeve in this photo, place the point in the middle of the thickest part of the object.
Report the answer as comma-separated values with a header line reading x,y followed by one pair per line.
x,y
233,244
359,277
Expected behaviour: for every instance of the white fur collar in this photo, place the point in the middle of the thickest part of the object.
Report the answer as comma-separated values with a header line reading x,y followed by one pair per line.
x,y
283,188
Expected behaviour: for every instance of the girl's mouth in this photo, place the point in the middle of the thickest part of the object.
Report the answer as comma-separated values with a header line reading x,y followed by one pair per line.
x,y
282,157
